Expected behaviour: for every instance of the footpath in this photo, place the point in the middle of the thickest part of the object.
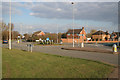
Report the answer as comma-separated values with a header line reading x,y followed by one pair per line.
x,y
89,49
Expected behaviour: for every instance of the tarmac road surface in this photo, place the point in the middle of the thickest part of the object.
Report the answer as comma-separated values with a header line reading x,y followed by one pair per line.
x,y
103,57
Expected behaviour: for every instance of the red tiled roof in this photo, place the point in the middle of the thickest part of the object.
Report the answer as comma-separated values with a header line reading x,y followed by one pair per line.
x,y
100,32
76,31
37,32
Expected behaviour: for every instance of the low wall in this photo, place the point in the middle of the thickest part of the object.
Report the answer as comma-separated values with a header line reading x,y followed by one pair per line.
x,y
70,40
78,40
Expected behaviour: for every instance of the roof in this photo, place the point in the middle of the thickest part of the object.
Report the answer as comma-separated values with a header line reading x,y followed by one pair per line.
x,y
37,32
101,32
76,31
107,33
46,32
117,33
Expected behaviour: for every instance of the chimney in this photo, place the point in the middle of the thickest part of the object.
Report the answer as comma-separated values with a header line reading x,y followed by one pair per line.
x,y
82,27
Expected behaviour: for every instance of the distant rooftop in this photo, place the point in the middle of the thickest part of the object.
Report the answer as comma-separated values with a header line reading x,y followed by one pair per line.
x,y
100,33
76,31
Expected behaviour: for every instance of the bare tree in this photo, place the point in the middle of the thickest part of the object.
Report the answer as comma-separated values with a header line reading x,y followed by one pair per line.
x,y
5,30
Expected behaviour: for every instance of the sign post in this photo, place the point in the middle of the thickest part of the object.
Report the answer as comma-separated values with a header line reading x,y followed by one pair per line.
x,y
29,47
47,40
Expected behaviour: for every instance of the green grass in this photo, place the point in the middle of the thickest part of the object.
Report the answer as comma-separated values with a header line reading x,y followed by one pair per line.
x,y
22,64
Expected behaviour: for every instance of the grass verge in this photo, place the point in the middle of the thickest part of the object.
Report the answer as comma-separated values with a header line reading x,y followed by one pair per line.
x,y
22,64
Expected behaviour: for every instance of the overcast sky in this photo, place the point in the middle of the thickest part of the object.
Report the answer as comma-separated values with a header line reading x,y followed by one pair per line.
x,y
57,16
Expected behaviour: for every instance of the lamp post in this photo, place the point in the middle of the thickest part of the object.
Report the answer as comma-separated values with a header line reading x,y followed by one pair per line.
x,y
57,33
78,40
73,21
21,32
10,29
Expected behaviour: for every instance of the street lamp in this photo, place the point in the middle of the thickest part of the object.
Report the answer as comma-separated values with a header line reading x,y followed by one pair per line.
x,y
21,32
73,21
57,33
10,29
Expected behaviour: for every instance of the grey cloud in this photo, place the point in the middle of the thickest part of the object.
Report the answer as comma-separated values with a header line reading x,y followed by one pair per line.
x,y
14,8
61,0
54,28
97,11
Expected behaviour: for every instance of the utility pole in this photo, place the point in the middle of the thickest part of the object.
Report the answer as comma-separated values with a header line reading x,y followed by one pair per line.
x,y
78,39
10,47
57,33
73,21
21,32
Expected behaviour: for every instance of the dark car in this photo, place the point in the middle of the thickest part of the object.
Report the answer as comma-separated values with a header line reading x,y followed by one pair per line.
x,y
5,41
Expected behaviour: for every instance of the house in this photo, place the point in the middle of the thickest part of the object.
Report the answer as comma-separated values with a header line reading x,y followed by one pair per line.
x,y
78,34
100,36
39,33
115,36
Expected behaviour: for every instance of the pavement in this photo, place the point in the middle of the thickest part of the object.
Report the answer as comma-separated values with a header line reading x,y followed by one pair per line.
x,y
89,49
97,56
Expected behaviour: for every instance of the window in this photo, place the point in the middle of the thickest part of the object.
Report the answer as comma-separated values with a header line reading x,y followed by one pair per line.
x,y
97,39
82,34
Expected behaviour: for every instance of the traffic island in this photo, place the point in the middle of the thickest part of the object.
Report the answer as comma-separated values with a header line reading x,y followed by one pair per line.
x,y
88,49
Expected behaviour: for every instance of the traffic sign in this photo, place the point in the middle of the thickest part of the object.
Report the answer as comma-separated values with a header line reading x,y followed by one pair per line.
x,y
47,39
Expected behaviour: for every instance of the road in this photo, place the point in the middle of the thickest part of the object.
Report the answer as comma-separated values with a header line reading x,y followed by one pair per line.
x,y
103,57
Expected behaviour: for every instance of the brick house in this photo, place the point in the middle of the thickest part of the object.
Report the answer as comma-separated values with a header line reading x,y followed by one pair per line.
x,y
100,36
39,33
115,36
77,34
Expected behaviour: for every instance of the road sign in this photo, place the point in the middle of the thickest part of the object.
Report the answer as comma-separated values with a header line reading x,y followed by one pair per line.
x,y
47,39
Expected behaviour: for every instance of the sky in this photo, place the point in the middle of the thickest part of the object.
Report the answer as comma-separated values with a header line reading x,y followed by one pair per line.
x,y
29,17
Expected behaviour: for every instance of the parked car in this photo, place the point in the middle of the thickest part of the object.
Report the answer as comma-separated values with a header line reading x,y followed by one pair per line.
x,y
5,41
